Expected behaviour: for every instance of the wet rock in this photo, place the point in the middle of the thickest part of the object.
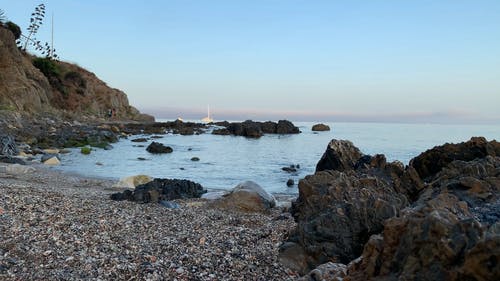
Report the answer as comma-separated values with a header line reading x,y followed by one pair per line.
x,y
162,190
286,127
221,132
247,196
289,169
195,159
290,182
340,155
253,129
139,140
320,128
156,147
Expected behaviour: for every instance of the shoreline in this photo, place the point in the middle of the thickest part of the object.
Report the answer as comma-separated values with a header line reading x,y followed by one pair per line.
x,y
57,225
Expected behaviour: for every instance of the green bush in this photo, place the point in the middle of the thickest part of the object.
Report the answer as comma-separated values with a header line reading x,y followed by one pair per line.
x,y
48,67
85,150
14,28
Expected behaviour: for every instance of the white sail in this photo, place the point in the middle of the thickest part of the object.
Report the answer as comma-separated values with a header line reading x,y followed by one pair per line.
x,y
207,119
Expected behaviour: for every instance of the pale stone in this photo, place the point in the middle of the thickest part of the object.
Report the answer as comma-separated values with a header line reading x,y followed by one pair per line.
x,y
133,181
52,161
51,151
16,169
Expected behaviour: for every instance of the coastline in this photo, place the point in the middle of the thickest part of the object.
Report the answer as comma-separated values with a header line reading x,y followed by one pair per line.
x,y
57,225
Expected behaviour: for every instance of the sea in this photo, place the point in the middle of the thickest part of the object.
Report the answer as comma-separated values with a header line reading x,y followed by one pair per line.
x,y
226,161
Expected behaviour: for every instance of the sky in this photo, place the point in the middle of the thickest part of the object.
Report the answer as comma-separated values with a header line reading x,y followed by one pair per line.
x,y
303,60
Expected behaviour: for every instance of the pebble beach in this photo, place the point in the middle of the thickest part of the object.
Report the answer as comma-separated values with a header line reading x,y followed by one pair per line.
x,y
60,226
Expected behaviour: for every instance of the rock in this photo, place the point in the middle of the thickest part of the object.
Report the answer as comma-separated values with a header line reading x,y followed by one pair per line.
x,y
293,256
108,147
328,271
434,160
17,169
340,155
141,158
162,190
212,195
86,150
8,146
289,169
52,161
156,147
51,151
12,160
195,159
247,196
132,181
169,204
222,132
139,140
320,128
46,157
290,183
286,127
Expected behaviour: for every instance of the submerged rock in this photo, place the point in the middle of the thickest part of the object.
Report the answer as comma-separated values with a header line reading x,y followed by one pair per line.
x,y
156,147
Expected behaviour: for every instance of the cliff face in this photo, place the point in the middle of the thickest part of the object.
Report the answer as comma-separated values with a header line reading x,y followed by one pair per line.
x,y
23,87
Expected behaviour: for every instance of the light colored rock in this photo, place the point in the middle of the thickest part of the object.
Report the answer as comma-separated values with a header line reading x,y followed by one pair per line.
x,y
52,161
213,195
328,271
247,196
51,151
16,169
133,181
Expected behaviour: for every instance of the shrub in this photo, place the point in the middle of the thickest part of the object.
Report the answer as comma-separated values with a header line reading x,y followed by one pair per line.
x,y
47,66
14,28
85,150
76,78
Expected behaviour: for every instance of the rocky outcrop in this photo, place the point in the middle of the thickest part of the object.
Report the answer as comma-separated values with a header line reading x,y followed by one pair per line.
x,y
339,155
450,233
157,148
320,128
387,224
8,146
161,190
247,196
253,129
434,160
71,90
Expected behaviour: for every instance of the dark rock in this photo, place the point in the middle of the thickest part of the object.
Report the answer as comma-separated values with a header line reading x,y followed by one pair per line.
x,y
156,137
434,160
290,182
320,128
141,158
195,159
221,132
340,155
8,146
269,127
12,160
286,127
139,140
108,147
156,147
251,129
162,190
289,169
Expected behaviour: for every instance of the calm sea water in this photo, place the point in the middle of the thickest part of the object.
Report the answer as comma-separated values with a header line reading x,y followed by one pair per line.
x,y
226,161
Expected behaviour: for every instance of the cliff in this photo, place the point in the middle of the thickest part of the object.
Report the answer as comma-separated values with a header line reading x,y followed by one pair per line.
x,y
61,87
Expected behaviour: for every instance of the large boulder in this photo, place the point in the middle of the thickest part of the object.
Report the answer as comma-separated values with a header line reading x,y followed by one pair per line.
x,y
162,190
433,160
253,129
450,233
157,148
247,196
320,128
340,155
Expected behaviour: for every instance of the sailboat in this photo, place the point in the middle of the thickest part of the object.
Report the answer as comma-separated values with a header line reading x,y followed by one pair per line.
x,y
207,119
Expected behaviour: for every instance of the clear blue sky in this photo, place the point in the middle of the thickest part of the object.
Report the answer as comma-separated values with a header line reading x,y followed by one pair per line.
x,y
401,61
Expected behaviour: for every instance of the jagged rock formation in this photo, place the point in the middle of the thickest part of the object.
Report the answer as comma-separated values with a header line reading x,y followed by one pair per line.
x,y
254,129
25,88
446,228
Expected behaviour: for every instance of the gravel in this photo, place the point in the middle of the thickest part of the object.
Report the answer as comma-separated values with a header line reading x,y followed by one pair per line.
x,y
57,226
